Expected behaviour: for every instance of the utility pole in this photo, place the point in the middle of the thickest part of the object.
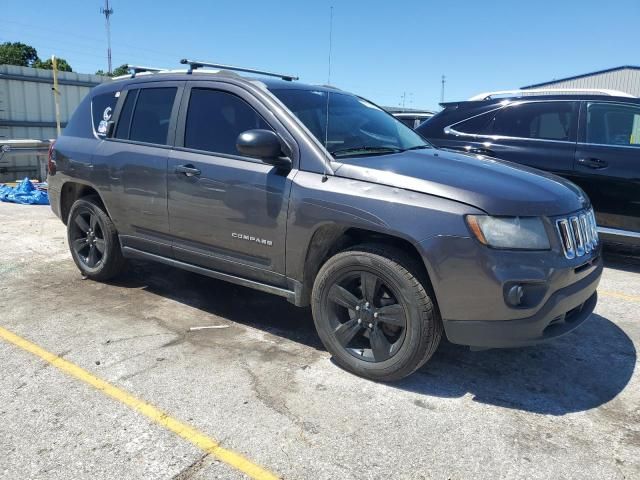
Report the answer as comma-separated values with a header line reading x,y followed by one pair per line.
x,y
404,98
107,11
442,91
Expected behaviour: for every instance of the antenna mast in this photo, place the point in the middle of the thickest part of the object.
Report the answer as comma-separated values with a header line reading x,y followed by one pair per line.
x,y
326,126
107,11
330,42
442,91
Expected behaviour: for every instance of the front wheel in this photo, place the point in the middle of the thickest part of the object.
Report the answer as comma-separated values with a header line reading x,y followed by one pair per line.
x,y
373,313
93,240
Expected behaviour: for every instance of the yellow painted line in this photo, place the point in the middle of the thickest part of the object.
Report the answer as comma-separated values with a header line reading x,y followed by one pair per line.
x,y
185,431
623,296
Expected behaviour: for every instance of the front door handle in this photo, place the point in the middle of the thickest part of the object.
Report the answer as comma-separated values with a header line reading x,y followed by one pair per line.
x,y
594,163
188,170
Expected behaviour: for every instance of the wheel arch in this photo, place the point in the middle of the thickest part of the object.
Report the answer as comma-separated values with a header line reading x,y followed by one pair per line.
x,y
329,239
72,191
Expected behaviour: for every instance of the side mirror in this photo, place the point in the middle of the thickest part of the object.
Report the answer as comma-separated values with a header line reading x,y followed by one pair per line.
x,y
262,144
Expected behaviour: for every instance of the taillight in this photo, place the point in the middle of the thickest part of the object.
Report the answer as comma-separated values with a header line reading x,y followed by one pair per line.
x,y
51,159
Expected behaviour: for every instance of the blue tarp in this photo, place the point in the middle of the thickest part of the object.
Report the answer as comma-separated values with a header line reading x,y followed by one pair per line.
x,y
25,193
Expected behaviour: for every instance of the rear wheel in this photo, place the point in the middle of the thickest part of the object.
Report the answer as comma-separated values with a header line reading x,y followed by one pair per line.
x,y
373,313
93,240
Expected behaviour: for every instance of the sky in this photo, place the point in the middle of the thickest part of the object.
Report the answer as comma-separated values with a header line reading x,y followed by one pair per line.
x,y
393,52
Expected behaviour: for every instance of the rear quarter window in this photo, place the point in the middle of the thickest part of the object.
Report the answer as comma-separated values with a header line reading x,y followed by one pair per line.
x,y
476,125
80,123
102,107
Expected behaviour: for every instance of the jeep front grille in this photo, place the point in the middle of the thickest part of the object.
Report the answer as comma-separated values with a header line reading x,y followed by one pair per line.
x,y
578,234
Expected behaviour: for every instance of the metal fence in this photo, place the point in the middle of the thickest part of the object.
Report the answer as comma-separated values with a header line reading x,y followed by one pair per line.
x,y
23,158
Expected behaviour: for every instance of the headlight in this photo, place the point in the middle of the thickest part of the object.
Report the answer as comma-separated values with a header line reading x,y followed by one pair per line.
x,y
526,233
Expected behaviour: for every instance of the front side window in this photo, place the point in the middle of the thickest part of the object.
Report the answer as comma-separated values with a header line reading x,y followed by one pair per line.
x,y
613,124
348,125
102,107
146,115
215,119
541,120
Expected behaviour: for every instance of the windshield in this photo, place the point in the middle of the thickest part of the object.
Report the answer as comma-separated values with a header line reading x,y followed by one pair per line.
x,y
353,125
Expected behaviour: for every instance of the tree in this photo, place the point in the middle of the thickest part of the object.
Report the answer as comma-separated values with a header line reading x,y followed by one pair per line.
x,y
121,70
22,55
61,63
19,54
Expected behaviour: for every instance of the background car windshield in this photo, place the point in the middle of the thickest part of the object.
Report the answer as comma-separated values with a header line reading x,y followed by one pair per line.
x,y
354,125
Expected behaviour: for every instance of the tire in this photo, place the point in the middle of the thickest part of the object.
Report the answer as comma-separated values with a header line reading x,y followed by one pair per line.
x,y
406,315
93,240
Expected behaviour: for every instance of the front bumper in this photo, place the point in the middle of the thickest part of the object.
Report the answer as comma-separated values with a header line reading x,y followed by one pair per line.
x,y
563,312
471,282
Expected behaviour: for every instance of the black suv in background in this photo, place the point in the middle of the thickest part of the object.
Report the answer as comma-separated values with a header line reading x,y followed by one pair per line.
x,y
589,137
321,197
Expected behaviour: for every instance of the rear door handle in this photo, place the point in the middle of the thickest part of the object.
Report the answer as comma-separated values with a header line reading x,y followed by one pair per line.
x,y
188,170
593,163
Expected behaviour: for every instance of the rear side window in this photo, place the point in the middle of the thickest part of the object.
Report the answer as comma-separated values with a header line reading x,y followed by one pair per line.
x,y
102,107
124,121
216,118
613,124
146,115
542,120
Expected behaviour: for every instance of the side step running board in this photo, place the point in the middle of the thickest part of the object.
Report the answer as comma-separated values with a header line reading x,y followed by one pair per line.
x,y
129,252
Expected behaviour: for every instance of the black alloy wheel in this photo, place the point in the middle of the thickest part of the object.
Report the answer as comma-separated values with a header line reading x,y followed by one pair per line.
x,y
366,317
93,240
374,312
87,238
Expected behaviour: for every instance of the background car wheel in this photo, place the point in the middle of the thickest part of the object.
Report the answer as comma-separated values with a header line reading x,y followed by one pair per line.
x,y
373,313
93,240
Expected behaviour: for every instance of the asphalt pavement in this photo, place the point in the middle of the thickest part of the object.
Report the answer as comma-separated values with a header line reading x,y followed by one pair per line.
x,y
257,383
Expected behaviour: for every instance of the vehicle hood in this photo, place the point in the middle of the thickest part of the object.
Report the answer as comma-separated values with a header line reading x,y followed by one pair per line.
x,y
496,186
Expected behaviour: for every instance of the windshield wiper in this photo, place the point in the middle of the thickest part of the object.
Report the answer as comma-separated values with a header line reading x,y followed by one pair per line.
x,y
365,150
417,147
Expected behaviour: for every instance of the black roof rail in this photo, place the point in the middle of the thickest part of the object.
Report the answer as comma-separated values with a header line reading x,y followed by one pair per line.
x,y
135,69
193,65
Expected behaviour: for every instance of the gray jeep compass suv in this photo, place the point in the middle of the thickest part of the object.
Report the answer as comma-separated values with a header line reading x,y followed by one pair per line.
x,y
321,197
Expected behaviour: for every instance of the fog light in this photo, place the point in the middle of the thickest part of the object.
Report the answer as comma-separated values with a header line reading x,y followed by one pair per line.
x,y
515,294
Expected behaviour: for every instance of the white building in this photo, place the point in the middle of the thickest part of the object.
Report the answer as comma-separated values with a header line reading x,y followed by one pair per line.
x,y
625,79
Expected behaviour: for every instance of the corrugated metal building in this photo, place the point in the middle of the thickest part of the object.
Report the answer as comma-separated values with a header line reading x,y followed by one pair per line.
x,y
27,110
625,79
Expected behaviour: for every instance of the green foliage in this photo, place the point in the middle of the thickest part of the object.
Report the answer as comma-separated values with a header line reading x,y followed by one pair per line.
x,y
17,53
121,70
22,55
61,63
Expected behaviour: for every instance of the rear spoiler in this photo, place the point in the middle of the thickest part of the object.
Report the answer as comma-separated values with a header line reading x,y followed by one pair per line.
x,y
451,104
